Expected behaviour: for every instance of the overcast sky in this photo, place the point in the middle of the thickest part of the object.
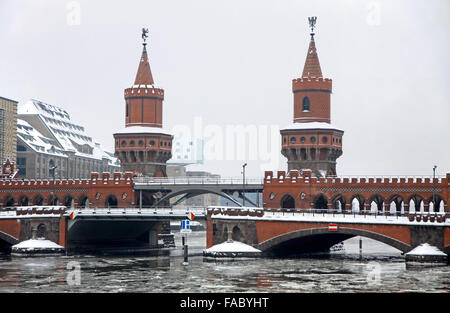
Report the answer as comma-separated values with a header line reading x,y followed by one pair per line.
x,y
229,63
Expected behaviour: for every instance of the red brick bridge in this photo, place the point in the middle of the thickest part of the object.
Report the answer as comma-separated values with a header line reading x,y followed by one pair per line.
x,y
282,232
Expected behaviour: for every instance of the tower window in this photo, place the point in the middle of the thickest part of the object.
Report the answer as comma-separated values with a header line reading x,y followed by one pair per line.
x,y
306,104
124,143
313,139
293,140
324,139
303,139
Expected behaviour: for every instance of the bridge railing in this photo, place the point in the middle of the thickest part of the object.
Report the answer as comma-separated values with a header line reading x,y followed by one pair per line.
x,y
144,180
411,216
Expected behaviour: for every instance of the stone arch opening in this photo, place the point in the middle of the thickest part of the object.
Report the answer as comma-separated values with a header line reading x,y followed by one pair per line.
x,y
9,201
38,200
436,205
83,201
396,204
41,231
379,203
320,240
320,202
111,201
357,203
236,234
287,202
68,201
338,202
23,200
53,200
417,202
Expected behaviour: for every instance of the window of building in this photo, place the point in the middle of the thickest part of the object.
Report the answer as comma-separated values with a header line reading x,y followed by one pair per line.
x,y
313,139
306,104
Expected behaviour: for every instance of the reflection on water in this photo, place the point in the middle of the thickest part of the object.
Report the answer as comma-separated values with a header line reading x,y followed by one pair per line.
x,y
381,268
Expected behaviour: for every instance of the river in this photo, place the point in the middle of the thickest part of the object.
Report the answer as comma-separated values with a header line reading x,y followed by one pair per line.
x,y
380,269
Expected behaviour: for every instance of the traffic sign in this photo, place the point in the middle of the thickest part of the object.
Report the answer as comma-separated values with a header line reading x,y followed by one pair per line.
x,y
185,226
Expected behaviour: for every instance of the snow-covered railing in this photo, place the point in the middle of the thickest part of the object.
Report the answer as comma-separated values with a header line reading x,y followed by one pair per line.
x,y
196,181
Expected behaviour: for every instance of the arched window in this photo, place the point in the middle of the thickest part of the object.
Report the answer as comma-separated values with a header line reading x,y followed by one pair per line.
x,y
306,104
287,202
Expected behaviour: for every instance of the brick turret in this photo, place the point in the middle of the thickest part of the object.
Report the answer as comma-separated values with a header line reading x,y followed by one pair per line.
x,y
143,146
311,142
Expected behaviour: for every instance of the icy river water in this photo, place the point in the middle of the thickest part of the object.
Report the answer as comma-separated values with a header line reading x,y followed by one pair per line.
x,y
381,269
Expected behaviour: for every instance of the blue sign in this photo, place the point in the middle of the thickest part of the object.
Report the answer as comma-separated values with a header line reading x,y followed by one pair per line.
x,y
185,224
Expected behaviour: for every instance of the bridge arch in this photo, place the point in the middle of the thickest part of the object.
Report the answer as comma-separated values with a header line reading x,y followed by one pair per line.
x,y
321,239
194,192
8,238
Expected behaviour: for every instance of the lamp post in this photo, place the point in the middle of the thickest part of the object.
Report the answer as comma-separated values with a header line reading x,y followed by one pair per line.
x,y
243,184
53,169
434,188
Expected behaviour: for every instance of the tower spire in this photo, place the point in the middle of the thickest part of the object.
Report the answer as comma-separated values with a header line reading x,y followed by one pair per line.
x,y
312,65
144,73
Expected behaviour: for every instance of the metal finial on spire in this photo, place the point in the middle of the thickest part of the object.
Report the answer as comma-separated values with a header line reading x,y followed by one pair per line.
x,y
312,23
144,34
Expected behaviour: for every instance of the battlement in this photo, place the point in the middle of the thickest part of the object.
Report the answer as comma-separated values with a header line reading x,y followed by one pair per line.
x,y
144,91
294,177
105,179
312,83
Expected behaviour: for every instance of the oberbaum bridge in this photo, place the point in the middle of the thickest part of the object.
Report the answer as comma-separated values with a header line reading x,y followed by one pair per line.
x,y
307,209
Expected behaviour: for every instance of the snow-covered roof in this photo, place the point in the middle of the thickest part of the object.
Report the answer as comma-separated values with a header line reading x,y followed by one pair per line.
x,y
35,140
232,246
425,249
310,125
39,243
69,136
143,130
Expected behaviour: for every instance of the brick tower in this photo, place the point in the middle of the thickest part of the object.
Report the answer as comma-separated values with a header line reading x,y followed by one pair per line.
x,y
311,142
143,146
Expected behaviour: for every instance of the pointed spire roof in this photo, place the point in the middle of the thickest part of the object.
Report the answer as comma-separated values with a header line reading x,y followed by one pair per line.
x,y
144,73
312,65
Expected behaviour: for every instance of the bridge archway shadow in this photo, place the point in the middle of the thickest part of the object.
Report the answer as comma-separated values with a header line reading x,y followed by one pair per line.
x,y
320,240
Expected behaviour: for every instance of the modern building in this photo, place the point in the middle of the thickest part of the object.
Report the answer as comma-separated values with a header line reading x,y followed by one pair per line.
x,y
8,129
47,137
311,141
143,146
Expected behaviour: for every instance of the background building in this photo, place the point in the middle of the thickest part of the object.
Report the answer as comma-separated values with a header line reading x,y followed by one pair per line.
x,y
8,128
47,137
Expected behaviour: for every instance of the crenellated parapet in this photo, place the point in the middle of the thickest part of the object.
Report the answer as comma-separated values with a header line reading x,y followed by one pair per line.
x,y
317,84
305,191
144,90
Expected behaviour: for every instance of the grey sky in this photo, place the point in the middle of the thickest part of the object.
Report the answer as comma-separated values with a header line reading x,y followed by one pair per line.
x,y
232,63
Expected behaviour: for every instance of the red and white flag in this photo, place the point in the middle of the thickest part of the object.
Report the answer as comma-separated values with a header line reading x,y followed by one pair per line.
x,y
332,227
72,215
191,216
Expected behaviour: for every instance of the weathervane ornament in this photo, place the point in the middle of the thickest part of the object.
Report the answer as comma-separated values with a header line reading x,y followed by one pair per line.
x,y
312,23
144,34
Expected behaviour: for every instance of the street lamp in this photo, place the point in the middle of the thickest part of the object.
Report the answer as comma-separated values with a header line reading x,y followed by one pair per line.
x,y
53,170
434,188
243,184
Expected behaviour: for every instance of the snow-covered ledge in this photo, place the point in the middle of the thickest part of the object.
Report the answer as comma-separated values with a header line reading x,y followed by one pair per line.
x,y
232,249
36,247
425,254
